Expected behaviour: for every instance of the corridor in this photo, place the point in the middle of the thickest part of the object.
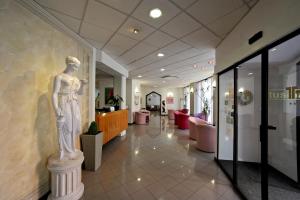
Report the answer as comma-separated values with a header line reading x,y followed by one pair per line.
x,y
156,161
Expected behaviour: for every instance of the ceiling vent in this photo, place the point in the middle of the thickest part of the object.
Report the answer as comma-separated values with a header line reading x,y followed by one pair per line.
x,y
169,77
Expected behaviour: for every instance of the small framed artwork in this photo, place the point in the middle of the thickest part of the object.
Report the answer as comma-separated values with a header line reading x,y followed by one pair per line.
x,y
108,93
170,100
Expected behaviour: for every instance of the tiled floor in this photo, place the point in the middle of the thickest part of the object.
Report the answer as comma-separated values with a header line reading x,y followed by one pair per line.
x,y
156,161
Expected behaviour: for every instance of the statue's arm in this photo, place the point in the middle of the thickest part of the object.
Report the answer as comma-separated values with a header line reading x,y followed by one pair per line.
x,y
82,84
56,88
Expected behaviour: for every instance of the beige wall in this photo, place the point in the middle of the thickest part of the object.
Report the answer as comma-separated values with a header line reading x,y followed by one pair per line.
x,y
31,54
275,18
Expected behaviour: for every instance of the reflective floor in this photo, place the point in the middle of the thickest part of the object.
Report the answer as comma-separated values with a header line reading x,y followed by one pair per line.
x,y
156,161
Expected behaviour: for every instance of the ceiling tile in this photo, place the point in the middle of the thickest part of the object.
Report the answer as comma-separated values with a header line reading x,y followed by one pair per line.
x,y
225,24
174,47
118,44
181,25
202,39
168,11
140,50
95,33
159,39
144,61
184,3
74,8
252,3
95,44
70,22
126,6
103,16
208,11
131,23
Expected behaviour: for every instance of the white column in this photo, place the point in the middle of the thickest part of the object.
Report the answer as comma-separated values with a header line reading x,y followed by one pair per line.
x,y
123,92
92,85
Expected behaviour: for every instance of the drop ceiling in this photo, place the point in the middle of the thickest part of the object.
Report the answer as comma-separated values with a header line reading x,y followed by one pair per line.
x,y
187,33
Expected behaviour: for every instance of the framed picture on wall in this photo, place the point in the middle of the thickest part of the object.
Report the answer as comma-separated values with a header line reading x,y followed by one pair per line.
x,y
109,92
170,100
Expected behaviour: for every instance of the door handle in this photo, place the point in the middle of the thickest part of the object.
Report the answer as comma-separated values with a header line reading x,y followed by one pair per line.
x,y
271,127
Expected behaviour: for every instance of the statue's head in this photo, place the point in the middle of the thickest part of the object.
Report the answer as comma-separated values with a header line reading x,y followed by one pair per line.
x,y
72,63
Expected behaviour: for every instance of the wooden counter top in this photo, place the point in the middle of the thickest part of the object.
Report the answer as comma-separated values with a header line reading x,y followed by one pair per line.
x,y
112,123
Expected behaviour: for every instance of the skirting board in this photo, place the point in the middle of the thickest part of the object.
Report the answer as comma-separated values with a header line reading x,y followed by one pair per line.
x,y
38,193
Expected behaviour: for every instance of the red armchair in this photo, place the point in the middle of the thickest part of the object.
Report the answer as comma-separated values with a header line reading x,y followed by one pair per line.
x,y
182,120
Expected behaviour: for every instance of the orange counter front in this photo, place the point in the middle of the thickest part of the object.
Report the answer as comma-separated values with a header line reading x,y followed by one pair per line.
x,y
112,123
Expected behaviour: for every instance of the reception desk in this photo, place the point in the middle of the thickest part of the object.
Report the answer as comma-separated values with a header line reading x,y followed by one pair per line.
x,y
112,123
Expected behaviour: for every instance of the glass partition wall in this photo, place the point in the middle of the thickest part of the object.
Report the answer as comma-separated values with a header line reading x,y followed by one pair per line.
x,y
258,122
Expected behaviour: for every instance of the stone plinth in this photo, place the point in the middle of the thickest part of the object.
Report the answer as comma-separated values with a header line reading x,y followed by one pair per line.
x,y
66,178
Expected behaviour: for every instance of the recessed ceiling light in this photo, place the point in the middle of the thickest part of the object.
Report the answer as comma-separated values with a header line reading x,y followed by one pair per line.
x,y
160,55
140,76
274,49
136,31
162,69
195,66
155,13
250,74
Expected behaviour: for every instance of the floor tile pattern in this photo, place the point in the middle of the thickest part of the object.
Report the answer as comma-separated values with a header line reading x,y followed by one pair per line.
x,y
156,162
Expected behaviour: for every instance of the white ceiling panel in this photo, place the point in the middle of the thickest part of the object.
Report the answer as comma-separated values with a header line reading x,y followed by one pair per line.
x,y
74,8
208,11
184,3
103,16
159,39
174,47
95,33
225,24
144,61
181,25
168,11
126,6
95,43
118,44
202,39
131,23
137,52
70,22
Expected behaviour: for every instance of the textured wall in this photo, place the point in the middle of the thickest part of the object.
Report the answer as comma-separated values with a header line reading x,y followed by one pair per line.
x,y
31,53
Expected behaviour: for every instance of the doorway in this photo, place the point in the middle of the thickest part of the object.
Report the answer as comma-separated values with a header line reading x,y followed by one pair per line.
x,y
258,126
153,102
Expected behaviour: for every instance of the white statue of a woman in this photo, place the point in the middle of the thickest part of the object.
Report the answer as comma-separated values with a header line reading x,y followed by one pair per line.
x,y
66,104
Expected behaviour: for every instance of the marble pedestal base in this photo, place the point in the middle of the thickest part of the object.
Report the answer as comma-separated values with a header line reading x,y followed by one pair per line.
x,y
66,178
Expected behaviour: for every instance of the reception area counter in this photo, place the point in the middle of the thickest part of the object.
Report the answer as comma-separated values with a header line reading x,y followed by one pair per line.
x,y
112,123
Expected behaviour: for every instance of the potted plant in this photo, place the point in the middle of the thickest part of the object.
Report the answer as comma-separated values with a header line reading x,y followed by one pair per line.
x,y
115,101
92,147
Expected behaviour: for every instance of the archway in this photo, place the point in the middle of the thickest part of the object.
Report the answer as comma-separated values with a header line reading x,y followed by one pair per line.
x,y
153,101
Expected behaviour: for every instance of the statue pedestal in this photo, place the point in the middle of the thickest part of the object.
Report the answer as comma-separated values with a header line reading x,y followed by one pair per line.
x,y
66,178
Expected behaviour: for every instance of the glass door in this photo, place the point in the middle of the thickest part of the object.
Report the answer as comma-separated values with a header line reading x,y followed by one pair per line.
x,y
283,120
226,122
248,175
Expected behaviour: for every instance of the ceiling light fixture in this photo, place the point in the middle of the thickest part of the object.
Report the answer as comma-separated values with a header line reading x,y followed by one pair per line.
x,y
195,66
136,31
160,55
162,69
140,76
250,74
155,13
274,49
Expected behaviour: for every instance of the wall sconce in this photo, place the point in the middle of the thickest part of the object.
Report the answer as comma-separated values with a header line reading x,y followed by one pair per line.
x,y
136,90
192,90
170,94
241,90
